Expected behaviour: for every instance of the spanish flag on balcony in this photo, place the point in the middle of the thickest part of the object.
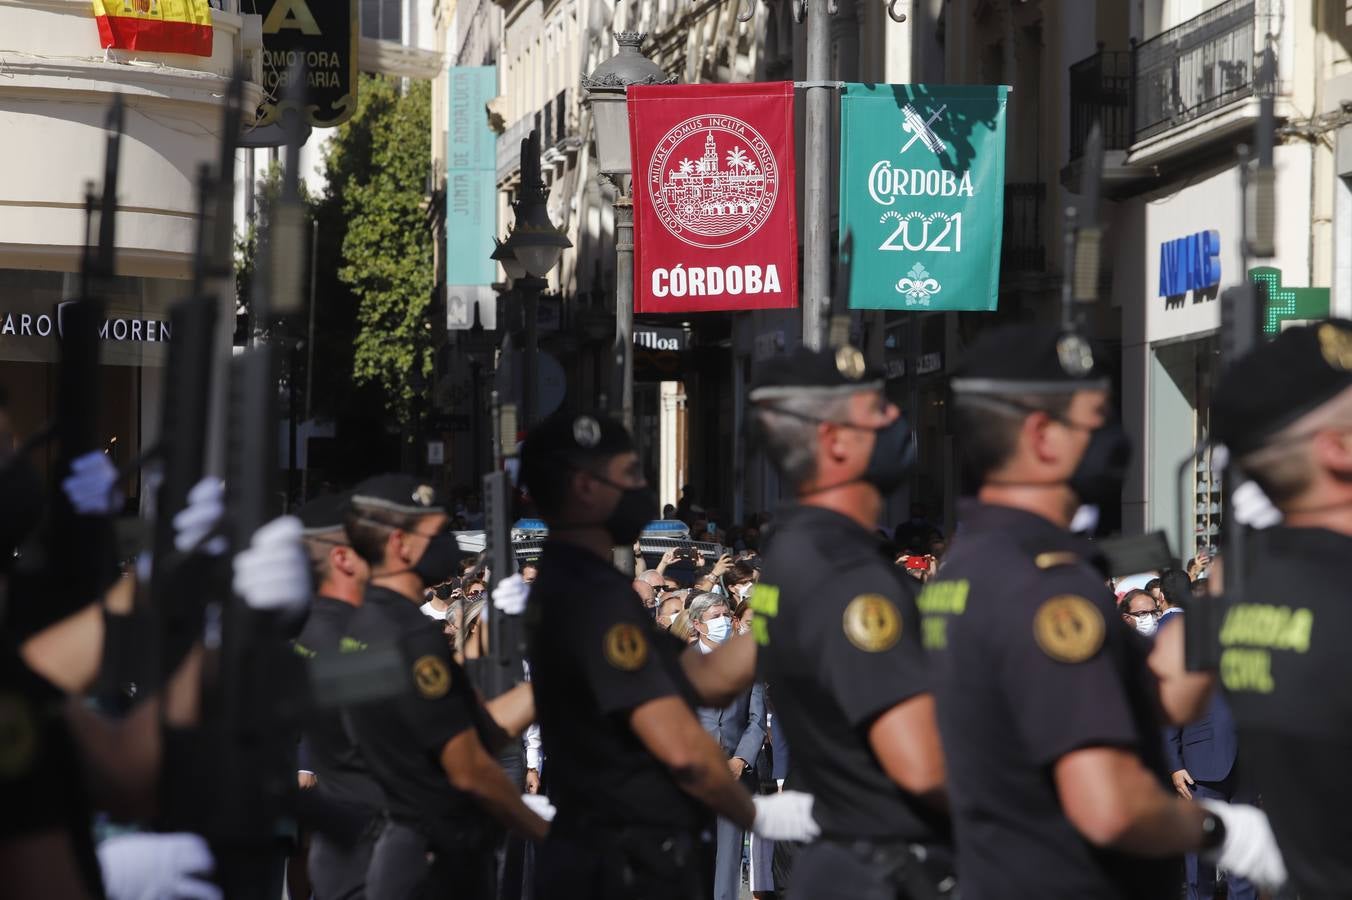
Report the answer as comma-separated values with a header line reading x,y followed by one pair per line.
x,y
156,26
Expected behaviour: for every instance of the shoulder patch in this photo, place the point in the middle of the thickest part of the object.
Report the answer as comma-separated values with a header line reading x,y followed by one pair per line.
x,y
432,677
1052,560
872,623
351,645
625,647
18,735
1068,628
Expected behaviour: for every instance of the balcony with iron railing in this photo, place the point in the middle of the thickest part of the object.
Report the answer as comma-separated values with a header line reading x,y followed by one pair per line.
x,y
1023,248
551,121
1200,66
1170,81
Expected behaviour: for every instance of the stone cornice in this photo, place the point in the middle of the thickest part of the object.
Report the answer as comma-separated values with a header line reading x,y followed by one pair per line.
x,y
76,79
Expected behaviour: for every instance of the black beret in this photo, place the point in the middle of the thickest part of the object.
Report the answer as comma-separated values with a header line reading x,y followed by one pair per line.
x,y
838,369
1277,382
326,513
568,438
399,493
1027,359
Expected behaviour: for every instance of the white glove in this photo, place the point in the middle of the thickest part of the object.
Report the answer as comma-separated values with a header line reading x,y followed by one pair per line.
x,y
157,867
1253,508
274,573
540,805
206,505
786,816
92,485
1249,849
509,597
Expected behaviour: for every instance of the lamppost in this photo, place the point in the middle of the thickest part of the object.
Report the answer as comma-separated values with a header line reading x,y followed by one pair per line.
x,y
531,250
606,88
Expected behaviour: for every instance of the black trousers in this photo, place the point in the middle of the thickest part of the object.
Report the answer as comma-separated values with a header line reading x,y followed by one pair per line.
x,y
337,870
623,864
405,866
828,870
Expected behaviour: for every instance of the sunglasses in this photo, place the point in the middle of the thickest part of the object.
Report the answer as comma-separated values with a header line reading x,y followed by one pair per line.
x,y
473,594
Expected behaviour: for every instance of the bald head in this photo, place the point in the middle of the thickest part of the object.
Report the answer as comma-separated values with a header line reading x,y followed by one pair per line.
x,y
645,592
653,578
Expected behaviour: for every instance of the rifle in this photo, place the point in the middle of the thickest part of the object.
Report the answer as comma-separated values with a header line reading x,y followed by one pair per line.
x,y
75,561
184,425
1241,328
250,712
1083,247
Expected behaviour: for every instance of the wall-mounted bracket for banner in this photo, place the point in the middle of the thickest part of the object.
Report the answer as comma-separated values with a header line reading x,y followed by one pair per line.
x,y
833,85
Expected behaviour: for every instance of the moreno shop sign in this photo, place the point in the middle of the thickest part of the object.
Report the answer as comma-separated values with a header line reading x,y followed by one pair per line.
x,y
116,329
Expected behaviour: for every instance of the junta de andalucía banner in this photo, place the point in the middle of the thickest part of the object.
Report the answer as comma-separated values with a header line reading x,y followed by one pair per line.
x,y
922,180
714,210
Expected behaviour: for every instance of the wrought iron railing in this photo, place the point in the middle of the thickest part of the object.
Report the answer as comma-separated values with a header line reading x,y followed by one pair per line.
x,y
1101,91
1195,68
1023,248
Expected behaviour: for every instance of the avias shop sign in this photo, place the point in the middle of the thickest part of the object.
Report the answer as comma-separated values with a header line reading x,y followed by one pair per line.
x,y
23,324
714,210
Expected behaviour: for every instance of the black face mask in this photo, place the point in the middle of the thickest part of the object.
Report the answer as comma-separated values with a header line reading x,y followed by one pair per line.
x,y
635,509
439,559
892,457
1102,470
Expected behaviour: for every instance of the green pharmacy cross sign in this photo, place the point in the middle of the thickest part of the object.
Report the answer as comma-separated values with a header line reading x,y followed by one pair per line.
x,y
1288,304
922,180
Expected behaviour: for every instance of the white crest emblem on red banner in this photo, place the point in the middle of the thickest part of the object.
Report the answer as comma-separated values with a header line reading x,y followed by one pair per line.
x,y
713,181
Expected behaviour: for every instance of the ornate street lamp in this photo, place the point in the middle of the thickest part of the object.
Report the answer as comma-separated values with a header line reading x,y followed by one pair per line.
x,y
606,89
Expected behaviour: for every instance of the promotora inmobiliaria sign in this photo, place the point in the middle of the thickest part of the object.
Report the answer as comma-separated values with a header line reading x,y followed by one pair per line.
x,y
714,210
922,178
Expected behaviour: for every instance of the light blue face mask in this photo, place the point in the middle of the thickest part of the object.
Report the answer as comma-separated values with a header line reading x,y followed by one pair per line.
x,y
718,629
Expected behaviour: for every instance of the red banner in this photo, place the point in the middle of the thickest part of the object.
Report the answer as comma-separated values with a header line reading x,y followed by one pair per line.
x,y
715,224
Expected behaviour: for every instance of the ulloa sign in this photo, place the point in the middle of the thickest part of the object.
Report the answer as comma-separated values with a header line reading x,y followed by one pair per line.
x,y
1190,263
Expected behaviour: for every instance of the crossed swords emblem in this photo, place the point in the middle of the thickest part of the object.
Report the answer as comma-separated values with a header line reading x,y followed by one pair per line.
x,y
920,130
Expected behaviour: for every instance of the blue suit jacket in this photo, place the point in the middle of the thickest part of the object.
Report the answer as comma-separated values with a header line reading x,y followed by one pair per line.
x,y
1206,748
740,727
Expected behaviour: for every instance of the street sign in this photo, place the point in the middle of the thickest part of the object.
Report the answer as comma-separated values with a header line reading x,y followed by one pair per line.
x,y
322,35
922,180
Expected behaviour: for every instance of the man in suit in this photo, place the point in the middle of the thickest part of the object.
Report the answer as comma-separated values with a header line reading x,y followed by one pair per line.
x,y
739,729
1202,757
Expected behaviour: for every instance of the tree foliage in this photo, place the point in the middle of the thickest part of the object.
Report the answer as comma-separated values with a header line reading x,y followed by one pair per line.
x,y
377,168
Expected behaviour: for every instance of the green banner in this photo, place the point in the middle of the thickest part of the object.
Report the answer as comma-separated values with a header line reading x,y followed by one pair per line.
x,y
922,179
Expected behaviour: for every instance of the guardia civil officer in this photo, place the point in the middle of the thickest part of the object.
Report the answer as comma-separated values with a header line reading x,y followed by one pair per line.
x,y
838,637
429,746
345,798
635,777
1046,702
1285,412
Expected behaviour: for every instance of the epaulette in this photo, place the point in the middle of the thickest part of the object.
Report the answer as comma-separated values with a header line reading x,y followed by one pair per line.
x,y
1053,559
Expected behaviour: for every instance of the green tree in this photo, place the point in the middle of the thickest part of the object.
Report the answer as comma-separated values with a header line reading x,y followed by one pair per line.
x,y
377,168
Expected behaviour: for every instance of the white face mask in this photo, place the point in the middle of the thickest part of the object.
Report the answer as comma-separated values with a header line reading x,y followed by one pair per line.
x,y
1146,625
718,629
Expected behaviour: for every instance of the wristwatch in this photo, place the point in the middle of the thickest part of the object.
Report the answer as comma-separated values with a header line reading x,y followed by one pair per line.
x,y
1213,831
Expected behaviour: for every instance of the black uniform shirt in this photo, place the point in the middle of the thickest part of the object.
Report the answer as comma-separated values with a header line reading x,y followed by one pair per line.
x,y
342,773
838,638
42,779
595,656
1032,662
402,739
1286,664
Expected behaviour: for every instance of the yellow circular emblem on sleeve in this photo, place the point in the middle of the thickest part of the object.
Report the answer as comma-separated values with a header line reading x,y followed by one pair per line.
x,y
1068,628
872,623
625,647
431,676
